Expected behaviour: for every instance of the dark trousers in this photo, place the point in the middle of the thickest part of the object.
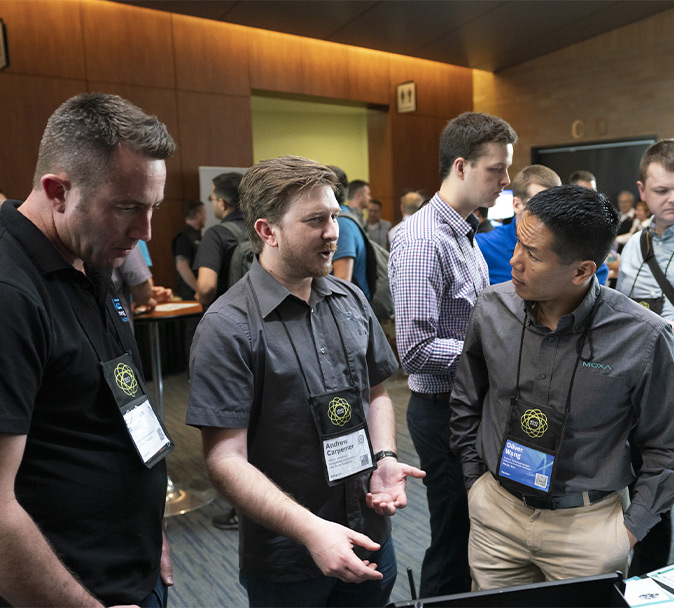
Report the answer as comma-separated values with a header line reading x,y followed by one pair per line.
x,y
445,566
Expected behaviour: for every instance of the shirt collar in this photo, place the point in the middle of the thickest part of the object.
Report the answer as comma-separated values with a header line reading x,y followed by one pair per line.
x,y
577,317
448,215
271,294
32,239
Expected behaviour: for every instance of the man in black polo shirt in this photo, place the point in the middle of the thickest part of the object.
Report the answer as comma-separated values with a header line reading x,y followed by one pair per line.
x,y
287,386
82,491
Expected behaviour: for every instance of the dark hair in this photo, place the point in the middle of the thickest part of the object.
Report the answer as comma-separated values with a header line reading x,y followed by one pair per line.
x,y
191,208
268,187
466,136
374,201
356,185
342,184
583,222
581,175
662,153
84,133
226,186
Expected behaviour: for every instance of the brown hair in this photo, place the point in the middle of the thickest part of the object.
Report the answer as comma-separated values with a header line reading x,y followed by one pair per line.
x,y
661,152
267,189
533,174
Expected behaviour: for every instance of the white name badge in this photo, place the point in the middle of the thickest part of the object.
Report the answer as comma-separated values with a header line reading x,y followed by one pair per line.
x,y
346,455
146,431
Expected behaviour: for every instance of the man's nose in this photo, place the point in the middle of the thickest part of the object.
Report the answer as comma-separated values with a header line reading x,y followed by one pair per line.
x,y
141,228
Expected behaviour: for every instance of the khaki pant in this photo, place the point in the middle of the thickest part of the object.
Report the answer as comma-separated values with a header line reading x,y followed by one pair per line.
x,y
511,544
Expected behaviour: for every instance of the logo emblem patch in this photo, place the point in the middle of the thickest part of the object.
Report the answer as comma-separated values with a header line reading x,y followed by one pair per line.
x,y
534,423
125,379
339,411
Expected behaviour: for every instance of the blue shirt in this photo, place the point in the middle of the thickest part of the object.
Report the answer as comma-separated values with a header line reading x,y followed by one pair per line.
x,y
436,272
351,244
497,247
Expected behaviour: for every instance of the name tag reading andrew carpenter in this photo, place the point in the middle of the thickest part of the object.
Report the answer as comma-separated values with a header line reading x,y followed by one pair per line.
x,y
526,465
347,454
145,430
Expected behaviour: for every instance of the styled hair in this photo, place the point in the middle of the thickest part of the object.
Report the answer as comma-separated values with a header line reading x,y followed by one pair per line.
x,y
581,175
192,208
356,185
583,222
467,135
226,186
268,188
533,174
84,133
662,153
342,184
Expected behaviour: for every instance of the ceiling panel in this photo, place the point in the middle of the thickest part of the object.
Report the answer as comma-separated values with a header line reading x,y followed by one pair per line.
x,y
484,34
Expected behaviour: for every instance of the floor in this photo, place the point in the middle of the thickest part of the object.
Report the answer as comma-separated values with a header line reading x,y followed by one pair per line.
x,y
205,559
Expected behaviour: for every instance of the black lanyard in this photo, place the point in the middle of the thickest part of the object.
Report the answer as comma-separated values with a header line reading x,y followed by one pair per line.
x,y
341,339
585,336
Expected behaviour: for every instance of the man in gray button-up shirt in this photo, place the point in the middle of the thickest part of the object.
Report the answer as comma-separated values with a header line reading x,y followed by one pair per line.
x,y
277,347
559,342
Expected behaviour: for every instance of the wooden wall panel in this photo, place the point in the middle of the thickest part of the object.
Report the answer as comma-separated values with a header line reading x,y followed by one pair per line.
x,y
211,56
214,130
26,102
381,161
415,151
323,69
367,74
127,44
44,38
442,90
274,62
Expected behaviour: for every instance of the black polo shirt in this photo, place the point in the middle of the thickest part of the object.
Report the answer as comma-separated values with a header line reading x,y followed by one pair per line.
x,y
80,478
245,374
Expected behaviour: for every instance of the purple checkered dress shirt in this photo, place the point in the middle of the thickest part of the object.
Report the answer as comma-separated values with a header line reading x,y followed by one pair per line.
x,y
436,271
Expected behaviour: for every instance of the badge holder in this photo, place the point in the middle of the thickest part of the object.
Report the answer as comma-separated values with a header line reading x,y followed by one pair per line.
x,y
147,432
534,435
346,448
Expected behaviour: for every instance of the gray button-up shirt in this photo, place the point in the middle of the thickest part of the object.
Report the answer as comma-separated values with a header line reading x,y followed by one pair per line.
x,y
245,374
626,387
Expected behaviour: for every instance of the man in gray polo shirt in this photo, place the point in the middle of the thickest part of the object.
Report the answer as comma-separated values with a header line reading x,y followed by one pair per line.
x,y
298,430
556,374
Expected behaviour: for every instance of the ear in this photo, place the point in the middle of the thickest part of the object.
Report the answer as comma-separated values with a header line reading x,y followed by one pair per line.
x,y
266,232
584,271
55,187
642,191
518,205
459,167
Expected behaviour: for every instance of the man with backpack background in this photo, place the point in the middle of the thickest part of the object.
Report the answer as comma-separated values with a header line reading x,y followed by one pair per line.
x,y
219,242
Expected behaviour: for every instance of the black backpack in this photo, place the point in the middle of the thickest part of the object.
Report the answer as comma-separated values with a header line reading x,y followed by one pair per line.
x,y
243,254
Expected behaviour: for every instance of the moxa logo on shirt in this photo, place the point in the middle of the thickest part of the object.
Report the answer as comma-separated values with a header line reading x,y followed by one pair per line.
x,y
596,365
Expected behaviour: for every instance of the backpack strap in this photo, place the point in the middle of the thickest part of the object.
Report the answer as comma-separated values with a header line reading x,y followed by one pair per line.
x,y
239,233
645,242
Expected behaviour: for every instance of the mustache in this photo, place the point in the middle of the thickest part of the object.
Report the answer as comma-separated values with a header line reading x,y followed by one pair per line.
x,y
329,247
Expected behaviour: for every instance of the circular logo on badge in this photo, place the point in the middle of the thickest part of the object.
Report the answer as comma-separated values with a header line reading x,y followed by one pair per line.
x,y
534,423
125,379
339,411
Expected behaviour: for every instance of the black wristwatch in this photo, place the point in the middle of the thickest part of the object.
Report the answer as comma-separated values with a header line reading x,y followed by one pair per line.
x,y
385,454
